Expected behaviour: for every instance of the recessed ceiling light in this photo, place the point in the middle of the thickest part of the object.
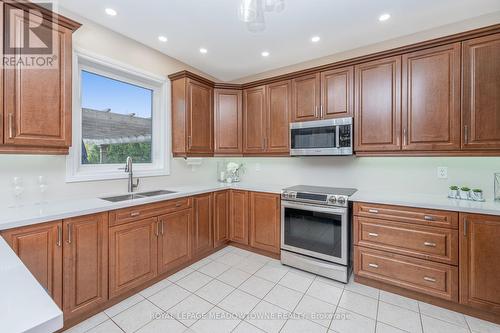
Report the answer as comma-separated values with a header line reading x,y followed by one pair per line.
x,y
162,39
265,54
203,50
384,17
110,11
315,39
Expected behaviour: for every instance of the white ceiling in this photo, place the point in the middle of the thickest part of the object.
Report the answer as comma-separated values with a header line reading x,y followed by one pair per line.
x,y
234,52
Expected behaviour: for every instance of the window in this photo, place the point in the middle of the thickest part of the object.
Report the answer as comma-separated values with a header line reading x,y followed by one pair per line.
x,y
117,112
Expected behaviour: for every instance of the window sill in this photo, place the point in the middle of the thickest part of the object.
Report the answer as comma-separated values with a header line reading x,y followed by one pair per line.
x,y
112,175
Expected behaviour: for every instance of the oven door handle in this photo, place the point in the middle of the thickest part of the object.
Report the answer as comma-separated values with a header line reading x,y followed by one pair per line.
x,y
314,208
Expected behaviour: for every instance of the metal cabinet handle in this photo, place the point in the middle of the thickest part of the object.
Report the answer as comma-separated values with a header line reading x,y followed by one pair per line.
x,y
321,111
133,214
374,211
11,126
162,228
429,279
59,236
405,136
428,218
466,134
178,204
373,265
157,232
373,234
190,141
465,228
70,232
430,244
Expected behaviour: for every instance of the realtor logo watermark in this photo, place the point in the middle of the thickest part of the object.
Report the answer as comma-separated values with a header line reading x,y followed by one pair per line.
x,y
30,36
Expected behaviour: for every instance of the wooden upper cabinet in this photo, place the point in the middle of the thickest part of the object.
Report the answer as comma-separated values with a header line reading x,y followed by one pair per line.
x,y
40,248
238,217
278,117
174,235
254,119
337,93
478,263
221,217
37,100
192,117
203,240
200,118
265,221
378,105
228,122
431,99
85,263
481,93
306,98
133,256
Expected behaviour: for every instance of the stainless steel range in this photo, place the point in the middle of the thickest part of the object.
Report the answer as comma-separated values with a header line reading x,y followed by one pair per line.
x,y
315,230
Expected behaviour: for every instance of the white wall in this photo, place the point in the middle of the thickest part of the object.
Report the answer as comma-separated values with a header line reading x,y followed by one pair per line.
x,y
396,174
393,174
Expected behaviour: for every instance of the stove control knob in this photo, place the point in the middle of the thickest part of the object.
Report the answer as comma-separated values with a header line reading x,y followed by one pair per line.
x,y
332,200
342,201
285,195
292,195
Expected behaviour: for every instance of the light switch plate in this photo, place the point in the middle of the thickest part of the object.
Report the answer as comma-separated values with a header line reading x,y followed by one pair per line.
x,y
442,172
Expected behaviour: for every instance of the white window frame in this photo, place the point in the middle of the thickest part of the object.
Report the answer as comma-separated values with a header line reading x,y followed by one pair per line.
x,y
161,142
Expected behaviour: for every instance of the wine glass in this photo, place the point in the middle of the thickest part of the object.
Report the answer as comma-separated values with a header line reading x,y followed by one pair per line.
x,y
18,189
43,186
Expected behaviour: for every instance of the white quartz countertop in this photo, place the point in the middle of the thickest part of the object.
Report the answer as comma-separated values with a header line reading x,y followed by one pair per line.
x,y
29,214
429,201
24,305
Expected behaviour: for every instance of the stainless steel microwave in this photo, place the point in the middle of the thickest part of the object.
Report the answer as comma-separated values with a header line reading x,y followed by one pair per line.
x,y
322,137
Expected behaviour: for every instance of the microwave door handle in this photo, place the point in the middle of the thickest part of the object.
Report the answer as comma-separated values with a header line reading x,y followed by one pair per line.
x,y
337,136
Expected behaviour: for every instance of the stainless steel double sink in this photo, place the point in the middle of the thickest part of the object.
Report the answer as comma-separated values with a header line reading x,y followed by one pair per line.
x,y
133,196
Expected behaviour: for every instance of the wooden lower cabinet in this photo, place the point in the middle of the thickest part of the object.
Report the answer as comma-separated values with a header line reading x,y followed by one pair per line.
x,y
174,241
480,261
40,248
132,255
265,221
203,239
221,218
85,263
238,226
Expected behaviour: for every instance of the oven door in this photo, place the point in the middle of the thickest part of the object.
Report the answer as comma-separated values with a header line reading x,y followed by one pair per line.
x,y
316,231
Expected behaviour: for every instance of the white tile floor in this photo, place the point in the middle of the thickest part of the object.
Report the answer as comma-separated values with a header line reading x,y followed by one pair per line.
x,y
238,291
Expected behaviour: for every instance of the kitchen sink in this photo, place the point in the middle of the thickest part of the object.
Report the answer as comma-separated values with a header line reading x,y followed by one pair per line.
x,y
134,196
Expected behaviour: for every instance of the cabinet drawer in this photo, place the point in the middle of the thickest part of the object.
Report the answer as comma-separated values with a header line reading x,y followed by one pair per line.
x,y
419,241
130,214
436,218
438,280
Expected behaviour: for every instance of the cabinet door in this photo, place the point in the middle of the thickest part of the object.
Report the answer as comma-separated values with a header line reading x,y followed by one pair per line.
x,y
378,105
306,98
337,93
37,101
85,263
132,255
278,117
481,93
174,246
40,248
221,218
479,258
203,240
200,118
431,99
265,221
238,217
228,122
254,120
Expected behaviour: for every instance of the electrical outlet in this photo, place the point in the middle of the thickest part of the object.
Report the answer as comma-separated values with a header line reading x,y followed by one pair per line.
x,y
442,172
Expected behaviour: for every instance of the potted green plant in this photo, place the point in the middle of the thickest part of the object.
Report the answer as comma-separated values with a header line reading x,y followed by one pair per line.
x,y
465,193
477,194
453,193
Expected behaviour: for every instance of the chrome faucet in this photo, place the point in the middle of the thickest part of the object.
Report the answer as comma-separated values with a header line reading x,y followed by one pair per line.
x,y
128,168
